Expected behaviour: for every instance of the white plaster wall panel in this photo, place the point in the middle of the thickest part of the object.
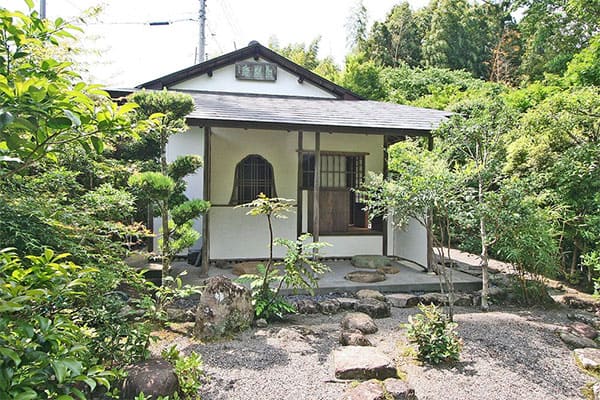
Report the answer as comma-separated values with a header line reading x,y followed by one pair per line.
x,y
348,246
410,242
229,146
223,80
235,235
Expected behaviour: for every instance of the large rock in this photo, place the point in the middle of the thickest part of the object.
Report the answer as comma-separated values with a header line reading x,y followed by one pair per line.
x,y
370,261
365,276
152,377
374,308
370,294
398,389
359,321
362,363
577,342
225,307
246,267
307,306
583,329
354,337
389,269
403,300
347,303
588,357
438,299
369,390
329,307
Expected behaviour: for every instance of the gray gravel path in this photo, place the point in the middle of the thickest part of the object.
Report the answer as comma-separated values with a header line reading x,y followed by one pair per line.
x,y
511,354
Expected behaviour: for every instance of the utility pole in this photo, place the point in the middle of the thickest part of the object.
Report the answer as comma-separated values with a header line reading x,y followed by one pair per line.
x,y
202,33
42,9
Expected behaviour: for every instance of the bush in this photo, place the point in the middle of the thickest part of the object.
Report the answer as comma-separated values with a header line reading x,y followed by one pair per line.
x,y
189,371
434,335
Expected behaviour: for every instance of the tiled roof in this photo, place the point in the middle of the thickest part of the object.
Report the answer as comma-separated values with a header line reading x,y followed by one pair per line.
x,y
311,114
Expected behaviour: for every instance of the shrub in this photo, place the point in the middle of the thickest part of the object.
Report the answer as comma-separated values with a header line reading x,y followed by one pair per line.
x,y
434,335
189,371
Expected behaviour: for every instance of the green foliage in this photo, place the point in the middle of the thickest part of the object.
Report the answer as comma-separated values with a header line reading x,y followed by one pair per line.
x,y
189,210
584,68
109,203
45,350
153,185
363,77
434,335
189,371
172,107
157,299
43,105
183,166
269,207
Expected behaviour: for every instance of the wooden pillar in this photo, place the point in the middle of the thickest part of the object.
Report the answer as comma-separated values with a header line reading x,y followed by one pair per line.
x,y
206,196
429,223
385,221
317,187
299,189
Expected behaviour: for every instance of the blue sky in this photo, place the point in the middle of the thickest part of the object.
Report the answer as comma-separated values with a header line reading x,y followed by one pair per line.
x,y
122,50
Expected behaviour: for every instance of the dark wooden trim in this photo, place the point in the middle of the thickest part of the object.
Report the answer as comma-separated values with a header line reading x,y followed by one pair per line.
x,y
351,233
430,142
293,126
299,186
206,194
334,153
317,187
385,175
429,223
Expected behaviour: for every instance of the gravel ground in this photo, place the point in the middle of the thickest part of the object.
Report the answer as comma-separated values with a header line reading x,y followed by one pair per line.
x,y
508,354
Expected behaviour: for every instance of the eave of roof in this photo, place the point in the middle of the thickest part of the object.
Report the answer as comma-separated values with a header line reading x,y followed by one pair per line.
x,y
254,49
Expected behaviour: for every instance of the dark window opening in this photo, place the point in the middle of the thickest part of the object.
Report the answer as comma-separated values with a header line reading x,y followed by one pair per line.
x,y
253,175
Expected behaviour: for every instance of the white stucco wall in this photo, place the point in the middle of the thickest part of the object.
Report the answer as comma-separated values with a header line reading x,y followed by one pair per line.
x,y
410,242
223,80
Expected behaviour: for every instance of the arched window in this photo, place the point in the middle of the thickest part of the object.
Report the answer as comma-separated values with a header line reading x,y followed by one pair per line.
x,y
253,175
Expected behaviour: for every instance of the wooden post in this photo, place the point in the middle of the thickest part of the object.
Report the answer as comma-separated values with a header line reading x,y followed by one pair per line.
x,y
206,196
299,191
385,221
429,223
317,187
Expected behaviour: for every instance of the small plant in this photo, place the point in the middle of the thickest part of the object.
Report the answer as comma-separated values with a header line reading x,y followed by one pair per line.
x,y
189,371
434,335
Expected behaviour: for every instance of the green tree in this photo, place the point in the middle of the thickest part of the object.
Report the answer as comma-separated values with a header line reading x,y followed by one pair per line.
x,y
166,112
584,68
357,26
363,77
44,106
308,57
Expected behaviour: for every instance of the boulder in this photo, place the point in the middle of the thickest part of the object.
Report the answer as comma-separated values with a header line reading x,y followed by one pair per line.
x,y
246,267
389,269
329,307
365,276
225,307
307,306
438,299
261,323
370,294
347,303
577,342
588,357
354,337
152,377
359,321
369,390
589,319
176,314
370,261
362,363
374,308
583,329
398,389
402,300
463,299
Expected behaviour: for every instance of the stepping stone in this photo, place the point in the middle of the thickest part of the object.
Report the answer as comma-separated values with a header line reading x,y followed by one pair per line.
x,y
374,308
582,329
362,363
329,307
577,342
365,276
370,261
307,307
389,269
589,358
403,300
370,294
354,337
359,321
347,303
247,267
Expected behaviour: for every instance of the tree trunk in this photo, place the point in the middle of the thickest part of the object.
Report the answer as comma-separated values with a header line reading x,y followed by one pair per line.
x,y
265,286
484,252
164,211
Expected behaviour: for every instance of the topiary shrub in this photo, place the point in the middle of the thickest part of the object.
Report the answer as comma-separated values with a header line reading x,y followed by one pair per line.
x,y
434,335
